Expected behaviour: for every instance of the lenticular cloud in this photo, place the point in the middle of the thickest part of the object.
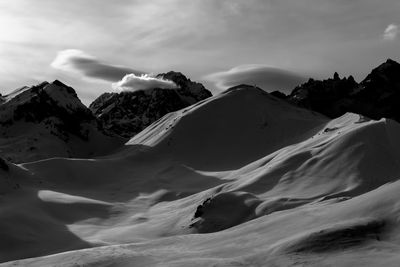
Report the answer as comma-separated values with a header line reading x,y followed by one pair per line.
x,y
267,77
133,82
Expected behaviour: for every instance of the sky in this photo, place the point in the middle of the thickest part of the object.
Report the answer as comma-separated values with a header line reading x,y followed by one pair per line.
x,y
100,46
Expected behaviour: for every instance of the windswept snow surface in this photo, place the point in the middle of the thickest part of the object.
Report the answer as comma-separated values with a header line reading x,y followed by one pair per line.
x,y
239,179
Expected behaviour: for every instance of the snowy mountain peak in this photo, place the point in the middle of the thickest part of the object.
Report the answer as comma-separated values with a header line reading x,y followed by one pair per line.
x,y
47,119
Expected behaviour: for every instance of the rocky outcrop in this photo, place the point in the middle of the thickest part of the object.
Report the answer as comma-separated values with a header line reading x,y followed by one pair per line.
x,y
127,113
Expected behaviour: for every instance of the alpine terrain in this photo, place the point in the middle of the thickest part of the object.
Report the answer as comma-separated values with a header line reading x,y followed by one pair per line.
x,y
178,177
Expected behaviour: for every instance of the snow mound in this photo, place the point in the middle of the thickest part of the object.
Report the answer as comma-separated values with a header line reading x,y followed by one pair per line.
x,y
230,130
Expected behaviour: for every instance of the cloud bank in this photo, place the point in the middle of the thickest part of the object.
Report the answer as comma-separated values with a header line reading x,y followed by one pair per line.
x,y
265,77
133,82
73,60
391,32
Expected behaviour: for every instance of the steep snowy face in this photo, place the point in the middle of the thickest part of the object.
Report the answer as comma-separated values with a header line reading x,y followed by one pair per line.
x,y
127,113
45,120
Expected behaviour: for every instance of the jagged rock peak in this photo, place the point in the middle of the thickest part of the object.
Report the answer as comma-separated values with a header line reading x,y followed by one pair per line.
x,y
336,76
387,71
63,85
175,76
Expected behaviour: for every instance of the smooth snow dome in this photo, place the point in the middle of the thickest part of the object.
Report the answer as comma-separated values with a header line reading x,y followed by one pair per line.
x,y
133,82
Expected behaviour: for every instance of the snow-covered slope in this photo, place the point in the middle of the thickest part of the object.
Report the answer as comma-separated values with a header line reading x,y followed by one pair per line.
x,y
239,179
231,129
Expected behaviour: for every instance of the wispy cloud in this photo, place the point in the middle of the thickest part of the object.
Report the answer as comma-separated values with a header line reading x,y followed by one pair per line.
x,y
132,82
391,32
73,60
266,77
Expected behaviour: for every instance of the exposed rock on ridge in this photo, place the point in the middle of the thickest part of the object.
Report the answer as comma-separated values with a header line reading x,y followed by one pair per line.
x,y
127,113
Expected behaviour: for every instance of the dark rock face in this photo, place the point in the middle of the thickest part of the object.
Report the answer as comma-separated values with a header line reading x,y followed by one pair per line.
x,y
127,113
376,97
329,97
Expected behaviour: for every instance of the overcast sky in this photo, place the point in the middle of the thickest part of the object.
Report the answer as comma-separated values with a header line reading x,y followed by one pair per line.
x,y
92,44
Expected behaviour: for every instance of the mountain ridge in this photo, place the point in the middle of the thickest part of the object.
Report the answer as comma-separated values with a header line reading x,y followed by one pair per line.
x,y
376,96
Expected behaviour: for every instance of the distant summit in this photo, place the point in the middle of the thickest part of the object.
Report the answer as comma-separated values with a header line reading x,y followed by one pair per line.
x,y
191,91
127,113
377,96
